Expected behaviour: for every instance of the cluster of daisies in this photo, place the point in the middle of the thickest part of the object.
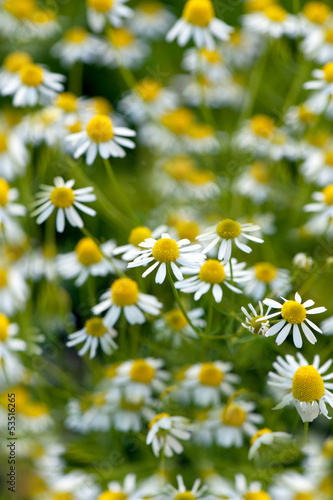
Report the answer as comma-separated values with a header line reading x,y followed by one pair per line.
x,y
166,206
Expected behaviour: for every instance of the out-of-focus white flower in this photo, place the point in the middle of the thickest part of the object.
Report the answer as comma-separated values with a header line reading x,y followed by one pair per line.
x,y
265,277
164,434
93,334
76,45
151,19
265,437
101,12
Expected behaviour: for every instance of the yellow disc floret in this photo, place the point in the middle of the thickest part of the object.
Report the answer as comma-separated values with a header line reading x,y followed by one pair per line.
x,y
95,327
157,418
120,37
305,114
304,496
21,9
316,12
275,13
88,252
31,75
210,375
16,60
62,197
233,415
100,5
76,34
293,312
265,271
179,168
67,102
329,158
4,324
124,292
4,190
257,495
328,72
185,495
328,448
198,12
178,121
329,36
259,434
260,172
142,372
100,128
148,89
3,143
328,194
176,319
112,495
308,386
212,271
228,229
166,250
63,496
3,278
138,235
187,229
262,125
212,56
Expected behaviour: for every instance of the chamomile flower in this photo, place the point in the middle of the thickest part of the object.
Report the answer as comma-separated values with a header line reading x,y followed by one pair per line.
x,y
242,490
265,437
10,70
265,277
14,291
323,207
206,382
34,84
101,137
254,321
318,44
164,434
89,413
323,83
198,21
306,385
76,45
273,21
255,183
300,117
88,259
212,275
8,342
122,48
197,492
167,252
327,326
151,19
101,12
8,207
242,48
93,334
314,16
127,415
124,296
292,484
175,327
293,313
206,62
225,233
137,235
65,200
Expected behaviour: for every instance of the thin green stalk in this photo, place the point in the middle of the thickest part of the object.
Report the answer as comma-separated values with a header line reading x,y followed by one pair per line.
x,y
306,429
75,78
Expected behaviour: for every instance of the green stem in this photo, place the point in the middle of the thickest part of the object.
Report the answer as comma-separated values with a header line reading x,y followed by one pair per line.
x,y
75,78
306,428
210,314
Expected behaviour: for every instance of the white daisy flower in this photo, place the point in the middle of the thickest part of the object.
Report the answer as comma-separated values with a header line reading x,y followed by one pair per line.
x,y
89,413
323,83
14,156
151,19
226,232
255,183
318,44
264,278
207,381
8,207
88,259
100,137
242,490
93,334
164,434
9,344
314,16
300,117
293,313
242,48
292,484
303,261
121,48
198,21
76,485
129,416
175,327
327,326
305,385
265,437
167,252
234,420
273,21
42,25
323,206
14,291
212,275
65,200
101,12
124,296
254,322
76,45
317,166
34,84
197,492
206,62
10,70
137,235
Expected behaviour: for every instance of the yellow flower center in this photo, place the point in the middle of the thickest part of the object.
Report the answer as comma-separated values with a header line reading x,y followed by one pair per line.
x,y
95,327
262,125
212,271
316,12
233,415
148,89
256,325
100,128
16,60
328,71
176,319
166,250
258,5
128,405
305,115
329,158
198,12
21,9
102,106
210,375
4,324
43,16
157,417
318,138
63,496
236,37
4,190
178,121
67,102
120,37
329,36
100,5
293,312
142,372
199,131
265,271
150,7
75,128
62,197
328,448
258,495
186,495
35,409
328,194
179,168
75,34
327,486
13,116
303,496
138,235
112,495
228,229
259,434
308,386
3,278
276,13
124,292
31,75
187,229
212,56
260,172
200,177
88,252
